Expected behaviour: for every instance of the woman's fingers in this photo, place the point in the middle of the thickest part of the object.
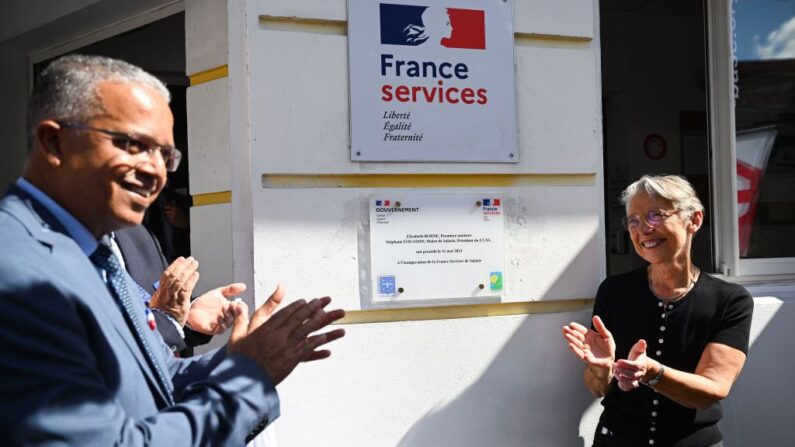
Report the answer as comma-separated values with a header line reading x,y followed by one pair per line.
x,y
600,327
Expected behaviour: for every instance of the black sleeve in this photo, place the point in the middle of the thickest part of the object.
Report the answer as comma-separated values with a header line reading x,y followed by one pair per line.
x,y
169,332
193,338
601,306
735,326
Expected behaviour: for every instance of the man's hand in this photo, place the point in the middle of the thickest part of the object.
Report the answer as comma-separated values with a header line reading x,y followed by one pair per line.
x,y
210,313
176,286
280,342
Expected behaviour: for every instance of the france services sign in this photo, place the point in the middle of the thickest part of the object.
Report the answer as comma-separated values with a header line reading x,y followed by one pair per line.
x,y
432,80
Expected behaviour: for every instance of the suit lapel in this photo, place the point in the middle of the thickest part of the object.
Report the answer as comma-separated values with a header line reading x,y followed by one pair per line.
x,y
46,229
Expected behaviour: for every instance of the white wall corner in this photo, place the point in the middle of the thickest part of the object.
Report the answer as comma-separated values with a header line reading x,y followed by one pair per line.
x,y
206,35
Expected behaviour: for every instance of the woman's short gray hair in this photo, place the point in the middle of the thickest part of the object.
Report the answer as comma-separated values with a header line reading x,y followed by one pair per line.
x,y
67,89
673,188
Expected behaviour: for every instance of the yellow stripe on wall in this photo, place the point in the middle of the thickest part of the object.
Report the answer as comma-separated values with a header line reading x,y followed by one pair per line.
x,y
340,27
465,311
424,180
209,75
212,198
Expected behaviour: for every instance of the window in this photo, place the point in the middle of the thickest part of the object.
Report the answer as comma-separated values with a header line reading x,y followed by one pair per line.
x,y
752,58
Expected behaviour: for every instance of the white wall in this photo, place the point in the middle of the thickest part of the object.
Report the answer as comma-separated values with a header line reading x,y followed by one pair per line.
x,y
504,380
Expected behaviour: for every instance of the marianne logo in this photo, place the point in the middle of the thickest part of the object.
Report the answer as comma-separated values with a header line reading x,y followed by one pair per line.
x,y
433,25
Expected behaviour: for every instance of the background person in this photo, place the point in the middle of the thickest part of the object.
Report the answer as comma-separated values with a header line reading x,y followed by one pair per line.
x,y
667,341
78,364
182,320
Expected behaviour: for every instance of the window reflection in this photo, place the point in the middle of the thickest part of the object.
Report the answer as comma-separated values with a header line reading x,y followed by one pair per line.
x,y
765,123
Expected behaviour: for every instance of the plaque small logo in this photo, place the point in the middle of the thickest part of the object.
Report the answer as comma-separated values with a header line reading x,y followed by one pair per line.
x,y
495,279
386,286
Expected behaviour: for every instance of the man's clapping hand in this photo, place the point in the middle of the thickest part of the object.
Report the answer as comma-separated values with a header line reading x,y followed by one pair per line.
x,y
279,341
211,313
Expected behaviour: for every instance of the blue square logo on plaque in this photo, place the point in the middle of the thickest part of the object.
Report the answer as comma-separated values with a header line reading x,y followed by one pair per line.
x,y
386,285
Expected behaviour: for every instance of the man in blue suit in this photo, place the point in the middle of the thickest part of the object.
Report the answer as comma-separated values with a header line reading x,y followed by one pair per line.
x,y
78,363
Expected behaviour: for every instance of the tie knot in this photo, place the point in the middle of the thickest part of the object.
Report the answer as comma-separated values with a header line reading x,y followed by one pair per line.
x,y
104,258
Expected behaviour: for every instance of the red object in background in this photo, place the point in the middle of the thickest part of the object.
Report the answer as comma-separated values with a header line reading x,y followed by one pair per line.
x,y
469,29
746,201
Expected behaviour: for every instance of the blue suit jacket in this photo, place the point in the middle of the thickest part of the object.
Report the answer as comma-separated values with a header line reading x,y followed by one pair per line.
x,y
71,372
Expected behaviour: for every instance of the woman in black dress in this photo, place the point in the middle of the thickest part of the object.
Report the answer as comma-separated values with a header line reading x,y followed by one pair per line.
x,y
667,341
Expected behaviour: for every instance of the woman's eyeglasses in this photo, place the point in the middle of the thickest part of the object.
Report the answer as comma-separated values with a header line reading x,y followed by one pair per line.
x,y
653,218
133,145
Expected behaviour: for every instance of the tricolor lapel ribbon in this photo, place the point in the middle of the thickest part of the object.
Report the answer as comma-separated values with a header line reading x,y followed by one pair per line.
x,y
150,318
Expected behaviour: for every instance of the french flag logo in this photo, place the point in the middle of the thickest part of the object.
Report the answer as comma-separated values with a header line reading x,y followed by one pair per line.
x,y
414,25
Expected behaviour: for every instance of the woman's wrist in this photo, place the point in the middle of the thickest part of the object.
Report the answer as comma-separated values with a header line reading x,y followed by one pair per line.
x,y
601,373
653,374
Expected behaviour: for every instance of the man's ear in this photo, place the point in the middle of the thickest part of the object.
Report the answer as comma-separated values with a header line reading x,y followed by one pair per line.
x,y
47,139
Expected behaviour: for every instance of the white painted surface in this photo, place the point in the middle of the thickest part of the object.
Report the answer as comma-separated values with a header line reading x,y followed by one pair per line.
x,y
205,35
211,245
208,136
759,409
572,18
242,181
469,382
300,100
316,241
500,381
211,240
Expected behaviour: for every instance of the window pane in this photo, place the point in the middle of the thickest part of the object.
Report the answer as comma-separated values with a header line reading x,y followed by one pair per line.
x,y
765,122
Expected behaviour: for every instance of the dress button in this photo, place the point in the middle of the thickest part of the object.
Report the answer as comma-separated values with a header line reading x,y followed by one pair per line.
x,y
659,353
655,402
670,306
651,441
660,303
662,328
662,315
654,414
661,341
653,429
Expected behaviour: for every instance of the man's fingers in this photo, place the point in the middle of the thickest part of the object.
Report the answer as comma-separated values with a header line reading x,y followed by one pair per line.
x,y
230,290
298,317
317,321
316,341
176,268
266,310
316,355
240,328
190,283
283,315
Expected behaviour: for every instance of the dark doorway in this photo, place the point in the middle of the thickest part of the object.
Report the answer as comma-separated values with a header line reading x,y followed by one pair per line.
x,y
655,99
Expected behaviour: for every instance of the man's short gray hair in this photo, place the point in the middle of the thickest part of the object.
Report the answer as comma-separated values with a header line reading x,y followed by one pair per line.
x,y
67,89
673,188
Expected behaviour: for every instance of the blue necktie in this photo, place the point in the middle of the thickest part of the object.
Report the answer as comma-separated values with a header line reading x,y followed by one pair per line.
x,y
104,258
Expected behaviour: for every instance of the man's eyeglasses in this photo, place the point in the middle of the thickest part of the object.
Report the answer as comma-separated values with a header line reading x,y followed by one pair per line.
x,y
653,218
133,145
